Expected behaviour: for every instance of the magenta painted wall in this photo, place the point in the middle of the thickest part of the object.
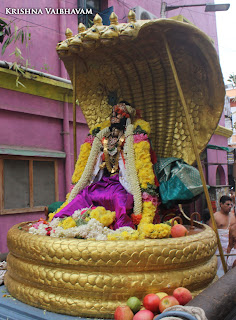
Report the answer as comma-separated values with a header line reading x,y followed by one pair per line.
x,y
36,122
196,15
8,221
46,30
217,157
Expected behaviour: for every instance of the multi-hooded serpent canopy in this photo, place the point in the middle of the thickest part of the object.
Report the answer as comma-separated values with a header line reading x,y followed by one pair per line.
x,y
129,62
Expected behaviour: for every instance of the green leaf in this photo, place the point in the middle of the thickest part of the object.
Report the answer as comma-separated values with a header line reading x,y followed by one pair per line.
x,y
80,222
3,22
6,43
18,35
17,52
21,70
18,82
22,37
7,30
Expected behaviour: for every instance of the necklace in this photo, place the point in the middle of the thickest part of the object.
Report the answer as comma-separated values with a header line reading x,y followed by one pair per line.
x,y
112,152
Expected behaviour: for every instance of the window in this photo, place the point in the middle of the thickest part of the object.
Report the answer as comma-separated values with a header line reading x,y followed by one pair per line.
x,y
27,184
95,5
220,176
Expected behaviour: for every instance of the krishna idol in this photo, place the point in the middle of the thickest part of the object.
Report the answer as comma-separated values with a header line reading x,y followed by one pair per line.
x,y
116,170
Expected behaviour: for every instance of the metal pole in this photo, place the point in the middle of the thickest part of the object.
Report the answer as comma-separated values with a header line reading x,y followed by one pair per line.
x,y
188,120
163,9
74,110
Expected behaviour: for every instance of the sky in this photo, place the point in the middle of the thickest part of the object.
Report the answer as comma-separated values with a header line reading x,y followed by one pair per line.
x,y
226,30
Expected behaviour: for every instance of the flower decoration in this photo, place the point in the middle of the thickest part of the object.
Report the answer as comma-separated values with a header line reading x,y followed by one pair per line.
x,y
68,223
81,162
121,109
143,125
106,217
136,218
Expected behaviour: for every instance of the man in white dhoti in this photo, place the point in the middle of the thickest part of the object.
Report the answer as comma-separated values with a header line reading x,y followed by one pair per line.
x,y
231,261
224,218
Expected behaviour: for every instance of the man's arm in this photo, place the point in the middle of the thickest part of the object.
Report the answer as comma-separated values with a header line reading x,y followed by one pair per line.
x,y
231,240
210,222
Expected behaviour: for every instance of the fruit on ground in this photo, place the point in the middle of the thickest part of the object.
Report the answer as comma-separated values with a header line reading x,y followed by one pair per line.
x,y
134,303
123,313
151,302
143,315
167,302
161,294
178,230
183,295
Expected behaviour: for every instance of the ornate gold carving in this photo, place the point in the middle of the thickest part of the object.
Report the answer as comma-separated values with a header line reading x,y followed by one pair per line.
x,y
68,33
130,60
91,278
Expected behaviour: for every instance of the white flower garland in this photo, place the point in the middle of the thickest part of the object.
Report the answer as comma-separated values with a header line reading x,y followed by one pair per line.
x,y
92,230
130,165
88,171
131,170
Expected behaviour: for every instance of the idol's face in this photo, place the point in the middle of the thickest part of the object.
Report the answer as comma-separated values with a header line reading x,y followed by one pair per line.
x,y
119,112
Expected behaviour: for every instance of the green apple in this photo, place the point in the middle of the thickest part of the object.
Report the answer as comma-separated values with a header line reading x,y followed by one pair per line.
x,y
134,303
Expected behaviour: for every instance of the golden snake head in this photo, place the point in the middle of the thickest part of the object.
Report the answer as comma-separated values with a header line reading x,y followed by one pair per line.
x,y
75,43
62,48
110,33
91,34
130,30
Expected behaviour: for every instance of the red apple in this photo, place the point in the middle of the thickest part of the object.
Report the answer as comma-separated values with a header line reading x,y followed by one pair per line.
x,y
123,313
178,230
151,302
143,315
167,302
183,295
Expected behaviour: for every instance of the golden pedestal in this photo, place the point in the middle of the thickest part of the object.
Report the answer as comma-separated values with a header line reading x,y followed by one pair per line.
x,y
91,278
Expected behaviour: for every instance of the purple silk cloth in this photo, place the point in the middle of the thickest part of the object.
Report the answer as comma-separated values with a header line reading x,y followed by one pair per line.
x,y
108,193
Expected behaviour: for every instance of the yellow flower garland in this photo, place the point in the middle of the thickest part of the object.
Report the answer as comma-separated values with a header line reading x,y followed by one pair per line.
x,y
146,176
143,124
81,162
143,163
67,223
154,231
125,235
102,126
106,217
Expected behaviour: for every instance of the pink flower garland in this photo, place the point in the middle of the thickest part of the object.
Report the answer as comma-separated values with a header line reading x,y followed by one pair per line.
x,y
140,137
89,139
149,198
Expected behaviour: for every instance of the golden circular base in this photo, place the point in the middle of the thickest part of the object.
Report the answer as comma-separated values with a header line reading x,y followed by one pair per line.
x,y
91,278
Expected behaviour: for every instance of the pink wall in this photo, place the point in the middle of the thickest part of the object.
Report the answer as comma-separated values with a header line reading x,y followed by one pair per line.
x,y
196,15
217,156
7,221
46,30
36,122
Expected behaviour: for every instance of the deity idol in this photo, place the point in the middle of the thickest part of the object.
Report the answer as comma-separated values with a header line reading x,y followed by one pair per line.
x,y
118,175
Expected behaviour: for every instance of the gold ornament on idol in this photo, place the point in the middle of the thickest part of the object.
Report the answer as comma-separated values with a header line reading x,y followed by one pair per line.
x,y
112,167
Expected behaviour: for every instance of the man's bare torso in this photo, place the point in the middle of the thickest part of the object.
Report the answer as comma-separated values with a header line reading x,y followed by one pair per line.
x,y
232,236
223,221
